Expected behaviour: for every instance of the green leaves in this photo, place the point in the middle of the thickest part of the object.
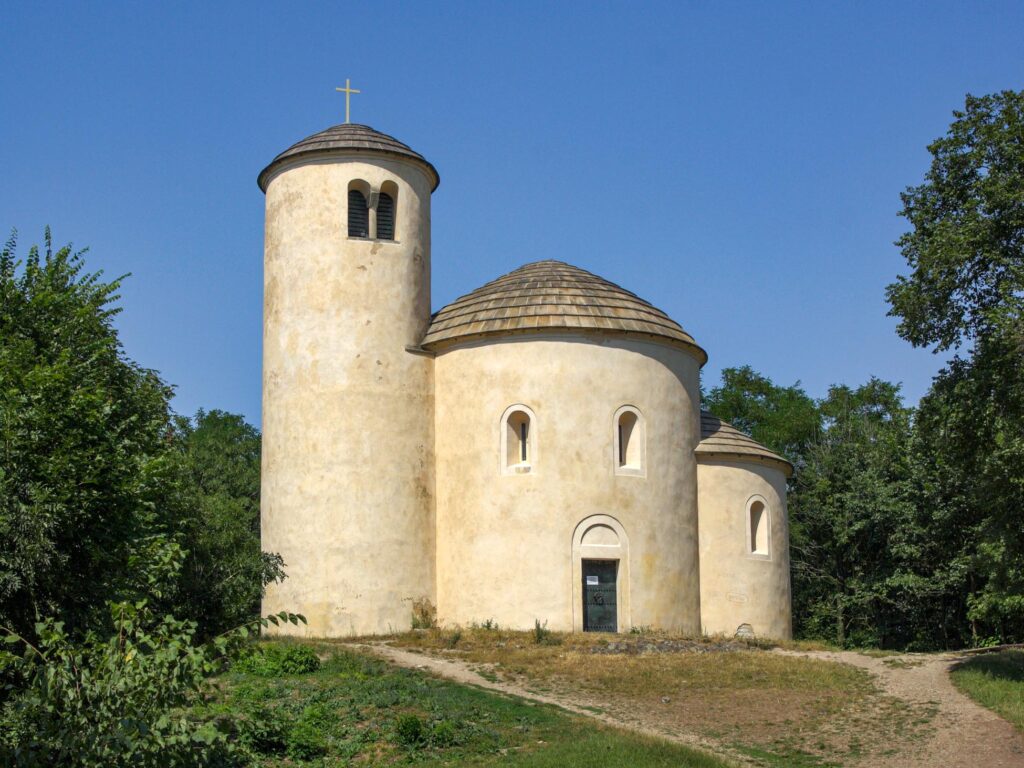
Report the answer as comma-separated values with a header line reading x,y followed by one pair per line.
x,y
78,423
113,701
966,245
225,572
965,292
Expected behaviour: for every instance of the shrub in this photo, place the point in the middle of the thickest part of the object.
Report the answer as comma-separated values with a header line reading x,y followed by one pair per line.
x,y
409,731
453,639
444,734
263,732
119,701
276,660
113,702
306,741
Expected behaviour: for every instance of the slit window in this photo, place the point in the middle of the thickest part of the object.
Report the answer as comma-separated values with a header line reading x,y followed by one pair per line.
x,y
358,214
385,217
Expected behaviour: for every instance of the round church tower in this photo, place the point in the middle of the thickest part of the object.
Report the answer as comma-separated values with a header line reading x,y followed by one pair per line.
x,y
348,485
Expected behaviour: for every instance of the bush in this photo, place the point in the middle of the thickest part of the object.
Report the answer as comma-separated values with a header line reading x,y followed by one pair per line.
x,y
444,734
112,702
262,732
306,741
409,731
121,701
276,660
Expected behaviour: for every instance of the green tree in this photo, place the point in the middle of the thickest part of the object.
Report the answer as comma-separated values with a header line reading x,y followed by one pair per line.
x,y
851,514
82,435
965,293
225,571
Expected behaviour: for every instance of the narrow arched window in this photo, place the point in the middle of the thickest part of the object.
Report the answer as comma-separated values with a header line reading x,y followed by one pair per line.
x,y
386,201
518,440
385,217
758,528
629,440
358,214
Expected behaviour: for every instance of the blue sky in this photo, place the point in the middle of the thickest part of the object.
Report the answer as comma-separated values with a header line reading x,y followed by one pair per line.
x,y
737,164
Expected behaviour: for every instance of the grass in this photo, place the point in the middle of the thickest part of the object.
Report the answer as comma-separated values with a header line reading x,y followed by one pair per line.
x,y
781,710
356,710
995,680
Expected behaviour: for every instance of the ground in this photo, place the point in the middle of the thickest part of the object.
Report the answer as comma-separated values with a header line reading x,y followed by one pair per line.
x,y
748,705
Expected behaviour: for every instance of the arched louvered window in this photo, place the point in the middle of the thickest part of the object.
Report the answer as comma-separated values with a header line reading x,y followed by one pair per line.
x,y
385,217
358,214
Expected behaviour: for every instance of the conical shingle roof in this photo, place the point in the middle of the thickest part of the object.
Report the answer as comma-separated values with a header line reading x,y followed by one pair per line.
x,y
553,296
348,137
722,440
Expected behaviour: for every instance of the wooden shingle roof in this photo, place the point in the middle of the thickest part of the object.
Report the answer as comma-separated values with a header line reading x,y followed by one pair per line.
x,y
552,296
348,137
720,440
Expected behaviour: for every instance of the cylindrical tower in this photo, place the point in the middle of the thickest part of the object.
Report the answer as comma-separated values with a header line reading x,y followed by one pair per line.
x,y
348,401
744,534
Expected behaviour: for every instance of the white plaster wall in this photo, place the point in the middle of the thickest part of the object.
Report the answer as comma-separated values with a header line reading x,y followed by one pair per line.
x,y
737,587
347,490
505,541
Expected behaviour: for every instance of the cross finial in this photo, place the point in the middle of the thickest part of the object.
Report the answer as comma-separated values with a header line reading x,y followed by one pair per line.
x,y
348,90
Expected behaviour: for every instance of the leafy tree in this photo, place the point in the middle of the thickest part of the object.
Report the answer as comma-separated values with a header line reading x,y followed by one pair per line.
x,y
966,245
784,419
965,293
82,430
851,512
225,571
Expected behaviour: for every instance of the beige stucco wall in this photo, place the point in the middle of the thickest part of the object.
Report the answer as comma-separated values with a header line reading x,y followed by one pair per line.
x,y
347,495
505,542
737,587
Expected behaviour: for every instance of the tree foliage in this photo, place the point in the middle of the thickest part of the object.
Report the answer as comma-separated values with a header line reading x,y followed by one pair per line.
x,y
966,243
784,419
966,293
225,572
81,435
851,510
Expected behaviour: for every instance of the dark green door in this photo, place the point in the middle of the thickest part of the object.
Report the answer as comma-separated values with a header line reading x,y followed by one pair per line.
x,y
599,593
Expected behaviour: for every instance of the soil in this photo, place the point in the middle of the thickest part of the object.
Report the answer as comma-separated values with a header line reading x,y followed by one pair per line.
x,y
959,734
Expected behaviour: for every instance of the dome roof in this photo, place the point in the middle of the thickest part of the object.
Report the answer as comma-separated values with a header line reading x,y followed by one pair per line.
x,y
552,296
351,137
721,440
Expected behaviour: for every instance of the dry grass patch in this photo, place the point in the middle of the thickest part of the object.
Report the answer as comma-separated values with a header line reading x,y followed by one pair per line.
x,y
780,709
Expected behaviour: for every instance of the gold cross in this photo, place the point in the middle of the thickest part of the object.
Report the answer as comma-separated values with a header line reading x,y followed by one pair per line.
x,y
348,91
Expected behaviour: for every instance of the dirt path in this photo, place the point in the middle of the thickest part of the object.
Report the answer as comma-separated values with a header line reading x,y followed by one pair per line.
x,y
964,734
961,734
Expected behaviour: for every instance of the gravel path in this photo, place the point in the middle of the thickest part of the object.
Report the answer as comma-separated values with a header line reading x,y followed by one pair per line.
x,y
962,734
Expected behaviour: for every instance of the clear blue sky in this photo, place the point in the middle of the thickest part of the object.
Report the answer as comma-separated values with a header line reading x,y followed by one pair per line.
x,y
737,164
